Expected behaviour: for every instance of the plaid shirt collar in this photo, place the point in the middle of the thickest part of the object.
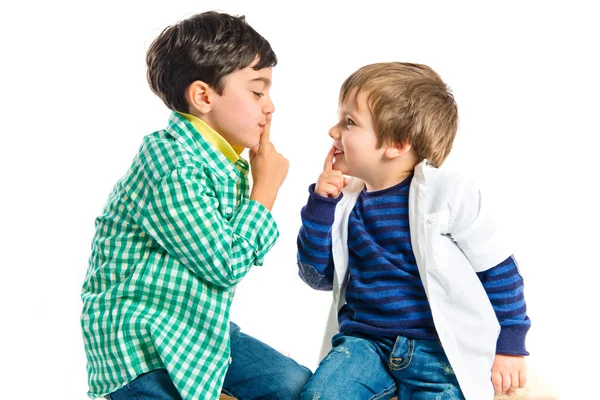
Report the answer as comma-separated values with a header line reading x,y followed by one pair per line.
x,y
183,131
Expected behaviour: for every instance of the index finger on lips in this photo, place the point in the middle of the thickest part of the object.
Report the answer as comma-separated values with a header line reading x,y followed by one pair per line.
x,y
328,166
265,137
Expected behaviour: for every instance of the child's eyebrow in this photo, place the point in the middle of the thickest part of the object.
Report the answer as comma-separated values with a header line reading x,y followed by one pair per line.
x,y
348,113
266,81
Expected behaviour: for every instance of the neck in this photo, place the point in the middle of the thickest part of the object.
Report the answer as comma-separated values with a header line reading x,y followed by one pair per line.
x,y
382,184
390,174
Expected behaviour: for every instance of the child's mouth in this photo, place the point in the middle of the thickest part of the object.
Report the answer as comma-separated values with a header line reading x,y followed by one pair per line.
x,y
338,151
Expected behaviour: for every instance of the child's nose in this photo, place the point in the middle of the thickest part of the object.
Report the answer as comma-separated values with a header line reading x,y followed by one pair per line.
x,y
334,133
269,107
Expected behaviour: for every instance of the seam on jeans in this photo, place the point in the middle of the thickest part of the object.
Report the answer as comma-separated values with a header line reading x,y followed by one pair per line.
x,y
384,392
395,346
406,360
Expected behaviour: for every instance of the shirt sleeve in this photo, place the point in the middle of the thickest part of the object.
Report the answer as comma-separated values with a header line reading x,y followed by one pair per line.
x,y
183,216
315,258
474,229
504,287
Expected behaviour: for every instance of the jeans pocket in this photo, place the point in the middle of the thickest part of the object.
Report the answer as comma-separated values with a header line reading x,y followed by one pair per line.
x,y
402,353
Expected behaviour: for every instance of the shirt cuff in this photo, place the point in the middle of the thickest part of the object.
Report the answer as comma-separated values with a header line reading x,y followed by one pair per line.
x,y
511,340
255,223
318,208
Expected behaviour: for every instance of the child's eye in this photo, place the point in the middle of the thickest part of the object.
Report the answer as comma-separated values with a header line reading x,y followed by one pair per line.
x,y
349,122
258,94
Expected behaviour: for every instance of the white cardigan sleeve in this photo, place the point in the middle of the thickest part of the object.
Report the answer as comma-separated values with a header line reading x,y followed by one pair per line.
x,y
473,227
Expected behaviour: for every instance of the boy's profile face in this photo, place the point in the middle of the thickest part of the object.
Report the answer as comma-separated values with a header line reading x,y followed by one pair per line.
x,y
245,107
358,153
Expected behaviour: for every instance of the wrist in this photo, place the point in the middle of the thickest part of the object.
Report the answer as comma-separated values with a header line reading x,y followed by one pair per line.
x,y
265,196
320,208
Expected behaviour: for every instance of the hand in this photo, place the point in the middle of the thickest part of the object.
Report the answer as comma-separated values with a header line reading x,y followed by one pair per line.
x,y
330,182
508,373
269,170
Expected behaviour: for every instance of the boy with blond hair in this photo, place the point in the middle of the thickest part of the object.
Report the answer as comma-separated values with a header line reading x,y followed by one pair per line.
x,y
428,300
182,228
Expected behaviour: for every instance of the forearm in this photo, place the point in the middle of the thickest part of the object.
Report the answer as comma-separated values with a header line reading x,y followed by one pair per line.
x,y
315,260
241,243
504,287
184,217
264,195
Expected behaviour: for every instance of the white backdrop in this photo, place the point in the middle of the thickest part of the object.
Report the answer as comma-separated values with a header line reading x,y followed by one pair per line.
x,y
75,106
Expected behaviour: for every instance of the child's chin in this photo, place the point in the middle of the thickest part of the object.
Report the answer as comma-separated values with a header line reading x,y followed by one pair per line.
x,y
339,167
253,144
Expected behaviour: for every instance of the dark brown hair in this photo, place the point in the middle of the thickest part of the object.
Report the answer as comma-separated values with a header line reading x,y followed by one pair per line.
x,y
207,47
410,104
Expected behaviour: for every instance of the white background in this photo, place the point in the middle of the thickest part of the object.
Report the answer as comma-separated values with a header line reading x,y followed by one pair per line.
x,y
75,106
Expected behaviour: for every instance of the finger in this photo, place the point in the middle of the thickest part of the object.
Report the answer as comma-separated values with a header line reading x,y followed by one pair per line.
x,y
514,382
328,166
334,178
523,378
506,382
265,137
497,382
332,190
340,182
327,189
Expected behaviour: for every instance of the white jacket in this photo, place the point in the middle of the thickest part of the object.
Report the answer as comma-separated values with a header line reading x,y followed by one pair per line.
x,y
453,236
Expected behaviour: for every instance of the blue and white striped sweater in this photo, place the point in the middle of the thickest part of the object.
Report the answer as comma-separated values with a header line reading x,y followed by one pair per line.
x,y
385,295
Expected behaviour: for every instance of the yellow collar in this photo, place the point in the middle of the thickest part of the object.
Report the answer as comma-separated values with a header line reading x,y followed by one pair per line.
x,y
211,136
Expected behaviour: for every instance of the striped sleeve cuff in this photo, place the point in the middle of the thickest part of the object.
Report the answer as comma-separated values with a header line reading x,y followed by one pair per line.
x,y
255,223
512,340
318,208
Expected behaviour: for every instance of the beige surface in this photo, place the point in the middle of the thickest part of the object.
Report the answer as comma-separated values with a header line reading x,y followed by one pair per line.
x,y
535,390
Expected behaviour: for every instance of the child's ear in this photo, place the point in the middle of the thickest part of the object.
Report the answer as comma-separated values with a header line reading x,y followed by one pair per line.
x,y
199,97
397,149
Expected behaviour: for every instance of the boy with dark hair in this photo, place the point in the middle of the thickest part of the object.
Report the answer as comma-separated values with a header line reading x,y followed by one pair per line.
x,y
182,228
428,300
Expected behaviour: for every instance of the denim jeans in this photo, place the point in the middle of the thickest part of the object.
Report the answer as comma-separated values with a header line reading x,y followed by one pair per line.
x,y
256,371
259,372
365,367
153,385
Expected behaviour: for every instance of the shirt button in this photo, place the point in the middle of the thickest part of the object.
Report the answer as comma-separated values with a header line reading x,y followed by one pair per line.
x,y
431,219
232,175
228,210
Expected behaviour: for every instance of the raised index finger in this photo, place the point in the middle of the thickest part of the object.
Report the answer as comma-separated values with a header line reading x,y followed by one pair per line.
x,y
265,137
328,166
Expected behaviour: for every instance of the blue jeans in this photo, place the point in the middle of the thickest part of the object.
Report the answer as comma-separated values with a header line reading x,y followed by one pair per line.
x,y
370,367
256,371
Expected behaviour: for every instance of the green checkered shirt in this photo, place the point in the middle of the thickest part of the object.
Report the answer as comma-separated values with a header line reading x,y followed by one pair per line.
x,y
177,234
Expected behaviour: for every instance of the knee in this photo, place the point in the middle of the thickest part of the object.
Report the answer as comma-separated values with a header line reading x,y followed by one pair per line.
x,y
318,394
316,389
295,384
310,394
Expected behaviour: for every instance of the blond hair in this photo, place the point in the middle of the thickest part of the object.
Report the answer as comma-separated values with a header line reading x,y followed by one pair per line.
x,y
410,104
